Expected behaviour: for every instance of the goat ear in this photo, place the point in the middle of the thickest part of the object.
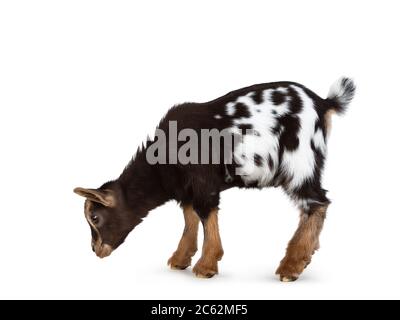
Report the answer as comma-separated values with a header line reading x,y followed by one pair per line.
x,y
105,197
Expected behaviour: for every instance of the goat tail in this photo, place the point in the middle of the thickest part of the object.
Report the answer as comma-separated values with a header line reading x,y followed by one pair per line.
x,y
340,94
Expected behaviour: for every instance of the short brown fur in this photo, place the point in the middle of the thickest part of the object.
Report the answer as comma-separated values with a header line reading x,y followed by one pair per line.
x,y
207,266
328,121
187,246
303,244
96,244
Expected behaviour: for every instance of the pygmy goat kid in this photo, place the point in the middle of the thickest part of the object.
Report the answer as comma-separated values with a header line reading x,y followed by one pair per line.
x,y
280,135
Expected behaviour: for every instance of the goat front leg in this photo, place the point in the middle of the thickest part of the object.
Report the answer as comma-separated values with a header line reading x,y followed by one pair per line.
x,y
303,244
207,266
187,246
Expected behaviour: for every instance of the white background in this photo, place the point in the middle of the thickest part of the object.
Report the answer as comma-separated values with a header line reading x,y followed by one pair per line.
x,y
83,82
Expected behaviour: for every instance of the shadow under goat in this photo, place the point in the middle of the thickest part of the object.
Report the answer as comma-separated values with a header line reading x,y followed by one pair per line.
x,y
279,133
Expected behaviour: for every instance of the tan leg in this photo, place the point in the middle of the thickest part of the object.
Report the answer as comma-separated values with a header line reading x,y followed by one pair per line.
x,y
207,266
303,244
187,246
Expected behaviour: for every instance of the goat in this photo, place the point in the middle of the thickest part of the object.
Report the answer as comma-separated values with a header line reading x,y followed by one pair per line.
x,y
285,124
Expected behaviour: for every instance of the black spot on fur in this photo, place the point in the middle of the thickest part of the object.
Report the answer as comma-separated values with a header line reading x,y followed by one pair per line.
x,y
258,97
289,137
278,97
241,111
244,127
296,104
256,133
320,124
291,124
318,156
273,112
270,162
258,110
316,126
258,160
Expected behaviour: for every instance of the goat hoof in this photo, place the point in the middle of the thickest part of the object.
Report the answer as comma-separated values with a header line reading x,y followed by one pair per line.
x,y
290,270
177,267
177,264
288,278
203,271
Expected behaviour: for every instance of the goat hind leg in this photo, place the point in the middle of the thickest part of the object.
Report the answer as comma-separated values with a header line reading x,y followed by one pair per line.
x,y
303,244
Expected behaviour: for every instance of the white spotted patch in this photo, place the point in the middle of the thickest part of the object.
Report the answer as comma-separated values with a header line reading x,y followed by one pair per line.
x,y
297,165
300,163
264,144
217,116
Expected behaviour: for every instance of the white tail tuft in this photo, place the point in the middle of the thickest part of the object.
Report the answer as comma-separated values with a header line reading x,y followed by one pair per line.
x,y
341,93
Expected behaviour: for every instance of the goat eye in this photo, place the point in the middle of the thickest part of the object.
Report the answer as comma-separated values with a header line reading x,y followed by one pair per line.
x,y
94,219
